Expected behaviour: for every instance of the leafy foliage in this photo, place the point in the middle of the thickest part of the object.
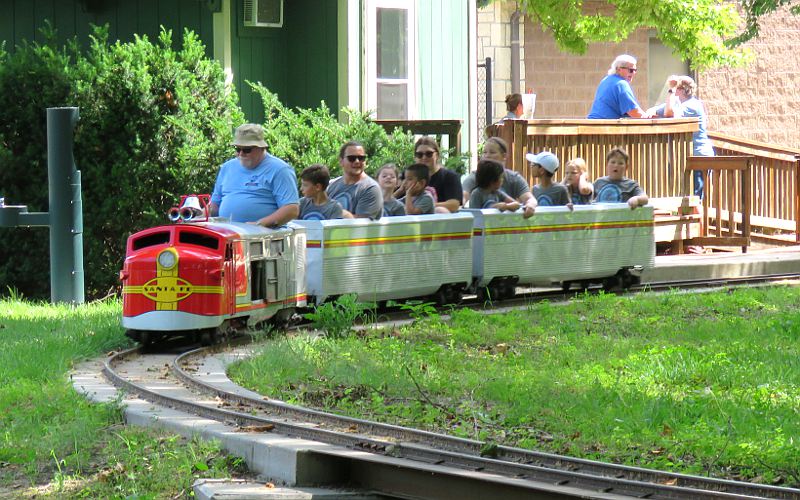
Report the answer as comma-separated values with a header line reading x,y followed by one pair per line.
x,y
306,136
754,11
697,30
155,122
337,318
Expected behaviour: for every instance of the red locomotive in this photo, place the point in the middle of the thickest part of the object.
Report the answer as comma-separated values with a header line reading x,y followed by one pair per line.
x,y
201,277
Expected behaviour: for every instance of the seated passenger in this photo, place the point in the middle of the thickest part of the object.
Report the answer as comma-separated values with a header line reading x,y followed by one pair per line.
x,y
514,185
388,179
357,192
417,201
445,182
315,204
547,192
615,187
579,188
488,193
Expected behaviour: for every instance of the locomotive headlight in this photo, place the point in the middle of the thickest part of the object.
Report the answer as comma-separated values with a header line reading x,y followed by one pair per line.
x,y
167,259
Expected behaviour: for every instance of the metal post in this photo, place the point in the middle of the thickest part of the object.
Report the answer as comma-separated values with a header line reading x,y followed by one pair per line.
x,y
489,103
66,209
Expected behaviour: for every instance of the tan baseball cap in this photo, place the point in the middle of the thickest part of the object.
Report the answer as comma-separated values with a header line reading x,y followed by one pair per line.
x,y
249,134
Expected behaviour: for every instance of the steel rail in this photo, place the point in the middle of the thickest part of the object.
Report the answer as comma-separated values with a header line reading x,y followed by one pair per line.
x,y
516,458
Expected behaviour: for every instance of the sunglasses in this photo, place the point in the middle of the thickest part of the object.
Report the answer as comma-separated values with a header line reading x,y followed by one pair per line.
x,y
354,158
632,70
243,150
424,154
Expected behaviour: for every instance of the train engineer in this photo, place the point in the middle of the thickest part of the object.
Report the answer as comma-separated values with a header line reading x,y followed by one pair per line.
x,y
255,186
357,192
315,204
615,187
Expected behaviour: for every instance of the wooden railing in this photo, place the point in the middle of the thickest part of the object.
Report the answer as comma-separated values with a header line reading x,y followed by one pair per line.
x,y
725,179
659,151
450,128
775,182
658,148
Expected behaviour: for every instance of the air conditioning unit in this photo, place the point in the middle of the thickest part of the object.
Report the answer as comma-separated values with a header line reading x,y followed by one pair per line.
x,y
263,13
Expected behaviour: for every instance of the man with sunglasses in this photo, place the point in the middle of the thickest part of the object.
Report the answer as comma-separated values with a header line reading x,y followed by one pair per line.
x,y
614,97
255,186
358,193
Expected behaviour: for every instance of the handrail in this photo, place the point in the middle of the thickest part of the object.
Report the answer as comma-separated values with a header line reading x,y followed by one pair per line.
x,y
775,178
736,178
658,148
450,128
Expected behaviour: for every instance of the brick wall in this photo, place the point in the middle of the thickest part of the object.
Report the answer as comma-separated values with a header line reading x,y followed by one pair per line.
x,y
565,83
760,102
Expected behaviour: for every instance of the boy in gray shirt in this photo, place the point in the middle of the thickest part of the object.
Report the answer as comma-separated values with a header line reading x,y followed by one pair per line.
x,y
615,187
547,192
315,204
417,200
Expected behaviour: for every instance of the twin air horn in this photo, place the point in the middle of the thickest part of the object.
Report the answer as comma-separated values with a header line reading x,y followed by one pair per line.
x,y
192,208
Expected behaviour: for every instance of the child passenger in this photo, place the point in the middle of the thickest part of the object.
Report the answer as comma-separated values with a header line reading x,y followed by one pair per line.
x,y
547,192
417,201
579,188
315,204
615,187
387,177
489,178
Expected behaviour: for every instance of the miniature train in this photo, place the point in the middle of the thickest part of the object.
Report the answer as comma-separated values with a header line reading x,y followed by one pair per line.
x,y
204,276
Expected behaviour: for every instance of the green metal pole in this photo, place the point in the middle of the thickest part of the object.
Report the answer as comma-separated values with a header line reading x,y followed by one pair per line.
x,y
66,209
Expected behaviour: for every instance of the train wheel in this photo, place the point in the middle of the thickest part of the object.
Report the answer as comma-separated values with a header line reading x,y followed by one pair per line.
x,y
145,340
208,337
565,286
484,295
509,289
612,284
455,295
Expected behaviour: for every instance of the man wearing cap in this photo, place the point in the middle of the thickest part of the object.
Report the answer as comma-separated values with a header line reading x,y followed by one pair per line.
x,y
255,186
547,192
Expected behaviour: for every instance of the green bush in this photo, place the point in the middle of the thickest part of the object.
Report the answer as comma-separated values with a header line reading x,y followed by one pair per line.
x,y
155,122
306,136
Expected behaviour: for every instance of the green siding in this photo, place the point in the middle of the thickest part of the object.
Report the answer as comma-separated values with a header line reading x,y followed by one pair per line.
x,y
23,19
443,71
298,61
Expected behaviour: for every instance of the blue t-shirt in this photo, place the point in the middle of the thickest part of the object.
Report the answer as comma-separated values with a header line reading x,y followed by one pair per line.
x,y
247,195
693,108
614,98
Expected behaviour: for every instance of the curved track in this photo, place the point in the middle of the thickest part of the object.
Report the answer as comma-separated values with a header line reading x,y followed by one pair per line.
x,y
517,472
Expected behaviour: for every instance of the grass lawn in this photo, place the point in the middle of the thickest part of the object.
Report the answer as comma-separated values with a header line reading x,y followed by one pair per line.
x,y
697,383
53,442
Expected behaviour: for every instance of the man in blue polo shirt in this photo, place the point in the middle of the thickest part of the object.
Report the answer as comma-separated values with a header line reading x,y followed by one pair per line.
x,y
614,97
255,186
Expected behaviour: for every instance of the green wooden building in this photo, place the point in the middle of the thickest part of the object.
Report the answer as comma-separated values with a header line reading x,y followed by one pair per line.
x,y
402,59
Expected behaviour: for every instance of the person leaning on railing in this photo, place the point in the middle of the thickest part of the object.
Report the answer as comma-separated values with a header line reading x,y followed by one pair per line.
x,y
614,97
681,102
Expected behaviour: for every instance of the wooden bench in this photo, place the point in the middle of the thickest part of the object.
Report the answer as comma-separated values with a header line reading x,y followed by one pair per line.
x,y
677,220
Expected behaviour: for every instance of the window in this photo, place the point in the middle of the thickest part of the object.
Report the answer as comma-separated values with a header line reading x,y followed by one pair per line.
x,y
150,240
390,59
661,64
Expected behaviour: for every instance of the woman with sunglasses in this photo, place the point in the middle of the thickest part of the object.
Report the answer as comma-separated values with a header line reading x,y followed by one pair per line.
x,y
614,97
445,182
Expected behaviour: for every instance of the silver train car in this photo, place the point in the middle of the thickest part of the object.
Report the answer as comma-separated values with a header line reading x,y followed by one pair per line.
x,y
200,277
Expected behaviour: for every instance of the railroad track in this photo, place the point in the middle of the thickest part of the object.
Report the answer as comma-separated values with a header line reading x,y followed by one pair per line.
x,y
507,473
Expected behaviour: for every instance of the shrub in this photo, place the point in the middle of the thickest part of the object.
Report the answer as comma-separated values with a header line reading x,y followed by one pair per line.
x,y
155,122
306,136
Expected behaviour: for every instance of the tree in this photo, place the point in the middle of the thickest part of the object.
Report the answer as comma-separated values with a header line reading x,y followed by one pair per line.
x,y
703,32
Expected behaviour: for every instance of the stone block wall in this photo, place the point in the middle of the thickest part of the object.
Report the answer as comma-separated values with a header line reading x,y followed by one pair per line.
x,y
760,102
565,83
494,40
